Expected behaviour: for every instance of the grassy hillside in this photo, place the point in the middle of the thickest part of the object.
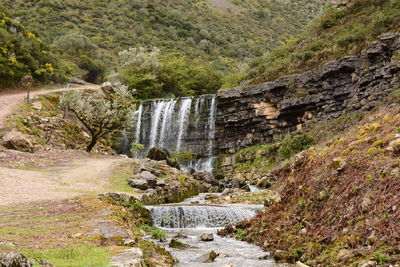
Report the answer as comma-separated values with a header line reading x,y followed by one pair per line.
x,y
225,32
337,33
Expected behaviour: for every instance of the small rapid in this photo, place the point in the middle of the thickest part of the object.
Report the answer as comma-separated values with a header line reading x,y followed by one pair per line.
x,y
188,220
198,216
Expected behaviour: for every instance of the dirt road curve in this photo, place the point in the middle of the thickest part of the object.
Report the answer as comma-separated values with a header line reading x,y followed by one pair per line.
x,y
8,102
80,176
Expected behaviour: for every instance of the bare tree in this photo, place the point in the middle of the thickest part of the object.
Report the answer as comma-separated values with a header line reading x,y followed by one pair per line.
x,y
101,113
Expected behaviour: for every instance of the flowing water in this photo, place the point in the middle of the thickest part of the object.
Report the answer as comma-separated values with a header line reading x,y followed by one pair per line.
x,y
193,220
185,124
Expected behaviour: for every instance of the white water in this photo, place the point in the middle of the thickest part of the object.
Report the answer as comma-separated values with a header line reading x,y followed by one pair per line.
x,y
138,123
183,120
198,216
155,121
193,221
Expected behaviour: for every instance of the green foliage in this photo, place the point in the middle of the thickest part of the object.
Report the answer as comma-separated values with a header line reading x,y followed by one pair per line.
x,y
293,144
102,113
183,157
382,258
136,148
199,29
23,53
150,75
73,256
156,233
84,53
339,32
240,234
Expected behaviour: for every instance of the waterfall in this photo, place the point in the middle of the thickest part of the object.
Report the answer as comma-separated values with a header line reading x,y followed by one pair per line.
x,y
167,120
183,118
138,123
177,125
198,216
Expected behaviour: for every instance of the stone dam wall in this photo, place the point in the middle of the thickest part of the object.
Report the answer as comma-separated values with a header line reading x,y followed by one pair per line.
x,y
257,114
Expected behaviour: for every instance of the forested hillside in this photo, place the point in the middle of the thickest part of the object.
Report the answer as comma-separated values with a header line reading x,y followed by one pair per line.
x,y
226,32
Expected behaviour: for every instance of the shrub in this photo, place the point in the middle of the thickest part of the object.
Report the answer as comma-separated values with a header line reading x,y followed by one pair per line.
x,y
240,234
292,145
183,157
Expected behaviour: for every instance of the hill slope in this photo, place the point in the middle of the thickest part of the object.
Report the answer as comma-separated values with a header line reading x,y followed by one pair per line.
x,y
339,32
222,31
24,53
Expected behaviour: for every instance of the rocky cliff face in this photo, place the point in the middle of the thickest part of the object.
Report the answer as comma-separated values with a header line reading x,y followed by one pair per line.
x,y
258,114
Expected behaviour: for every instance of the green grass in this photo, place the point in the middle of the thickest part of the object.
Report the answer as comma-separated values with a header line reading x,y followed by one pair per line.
x,y
156,233
119,178
86,255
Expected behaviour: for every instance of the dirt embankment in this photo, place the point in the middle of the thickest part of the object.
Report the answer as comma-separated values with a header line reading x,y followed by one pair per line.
x,y
339,202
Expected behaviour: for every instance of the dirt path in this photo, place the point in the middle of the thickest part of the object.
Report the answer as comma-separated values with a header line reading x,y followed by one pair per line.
x,y
72,178
8,102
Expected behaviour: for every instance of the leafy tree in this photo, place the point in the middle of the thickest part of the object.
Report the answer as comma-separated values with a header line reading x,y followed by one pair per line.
x,y
101,113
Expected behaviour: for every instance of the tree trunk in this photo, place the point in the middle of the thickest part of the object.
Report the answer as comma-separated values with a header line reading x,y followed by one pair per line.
x,y
92,144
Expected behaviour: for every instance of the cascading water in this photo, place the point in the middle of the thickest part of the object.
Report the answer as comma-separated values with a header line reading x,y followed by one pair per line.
x,y
198,216
187,223
185,124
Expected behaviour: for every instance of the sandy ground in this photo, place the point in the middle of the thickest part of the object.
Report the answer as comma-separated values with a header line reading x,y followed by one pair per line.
x,y
73,178
8,102
84,174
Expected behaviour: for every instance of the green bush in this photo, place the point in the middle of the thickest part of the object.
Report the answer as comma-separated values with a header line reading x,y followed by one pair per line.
x,y
155,233
293,144
23,53
183,157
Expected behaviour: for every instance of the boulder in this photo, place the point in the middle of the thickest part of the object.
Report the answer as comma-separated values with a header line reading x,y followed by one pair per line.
x,y
208,257
138,183
132,257
18,141
14,259
180,236
177,244
158,154
207,237
147,175
163,154
161,183
205,176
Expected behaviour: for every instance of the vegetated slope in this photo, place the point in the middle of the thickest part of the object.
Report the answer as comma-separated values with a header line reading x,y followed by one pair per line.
x,y
222,31
339,200
339,32
24,53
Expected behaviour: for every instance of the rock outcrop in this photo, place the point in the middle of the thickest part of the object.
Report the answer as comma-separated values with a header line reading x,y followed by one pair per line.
x,y
14,259
18,141
260,113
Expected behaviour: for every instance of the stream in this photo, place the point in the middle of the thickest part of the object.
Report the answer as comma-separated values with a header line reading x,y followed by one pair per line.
x,y
192,218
